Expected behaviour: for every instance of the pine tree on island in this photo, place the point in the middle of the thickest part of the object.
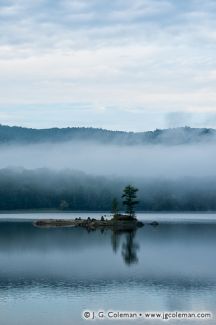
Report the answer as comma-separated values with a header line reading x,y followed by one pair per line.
x,y
129,197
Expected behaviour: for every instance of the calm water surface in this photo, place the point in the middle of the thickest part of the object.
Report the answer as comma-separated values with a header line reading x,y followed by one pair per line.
x,y
49,276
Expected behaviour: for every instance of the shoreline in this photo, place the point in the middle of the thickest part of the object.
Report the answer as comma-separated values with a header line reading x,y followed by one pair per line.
x,y
91,224
47,211
147,221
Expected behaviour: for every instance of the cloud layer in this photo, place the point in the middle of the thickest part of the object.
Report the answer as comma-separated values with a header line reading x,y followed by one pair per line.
x,y
125,61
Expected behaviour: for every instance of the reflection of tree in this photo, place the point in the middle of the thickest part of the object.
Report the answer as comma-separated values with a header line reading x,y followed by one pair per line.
x,y
129,247
115,238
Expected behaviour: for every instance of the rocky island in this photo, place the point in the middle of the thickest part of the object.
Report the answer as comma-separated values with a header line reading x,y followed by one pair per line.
x,y
118,222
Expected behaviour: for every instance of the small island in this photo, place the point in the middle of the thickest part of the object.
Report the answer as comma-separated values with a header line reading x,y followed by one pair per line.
x,y
119,221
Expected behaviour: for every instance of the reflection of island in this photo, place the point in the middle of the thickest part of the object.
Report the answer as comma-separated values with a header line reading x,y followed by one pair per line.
x,y
128,248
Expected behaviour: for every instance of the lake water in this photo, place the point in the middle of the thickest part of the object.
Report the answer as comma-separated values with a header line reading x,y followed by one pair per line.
x,y
50,276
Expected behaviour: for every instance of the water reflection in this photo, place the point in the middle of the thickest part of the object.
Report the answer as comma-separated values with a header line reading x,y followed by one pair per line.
x,y
168,254
124,240
129,247
64,271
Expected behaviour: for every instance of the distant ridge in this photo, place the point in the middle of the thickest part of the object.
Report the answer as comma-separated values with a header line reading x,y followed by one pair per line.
x,y
175,136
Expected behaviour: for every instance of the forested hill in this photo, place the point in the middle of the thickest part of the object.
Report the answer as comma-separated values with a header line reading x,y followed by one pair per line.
x,y
183,135
23,189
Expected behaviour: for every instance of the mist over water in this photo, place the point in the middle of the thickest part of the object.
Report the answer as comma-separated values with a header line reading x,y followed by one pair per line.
x,y
134,161
85,175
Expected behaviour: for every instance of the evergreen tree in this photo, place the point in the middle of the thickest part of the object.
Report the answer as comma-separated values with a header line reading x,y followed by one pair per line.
x,y
115,209
130,199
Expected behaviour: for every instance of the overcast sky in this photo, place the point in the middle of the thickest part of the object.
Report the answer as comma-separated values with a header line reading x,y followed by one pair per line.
x,y
116,64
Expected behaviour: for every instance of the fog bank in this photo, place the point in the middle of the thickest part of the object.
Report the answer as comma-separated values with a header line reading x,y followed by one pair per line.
x,y
135,161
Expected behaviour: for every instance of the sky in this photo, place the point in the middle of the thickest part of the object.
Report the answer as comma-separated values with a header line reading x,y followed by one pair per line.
x,y
117,64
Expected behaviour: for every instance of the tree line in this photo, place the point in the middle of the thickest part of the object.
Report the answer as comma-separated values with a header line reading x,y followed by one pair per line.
x,y
182,135
22,189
